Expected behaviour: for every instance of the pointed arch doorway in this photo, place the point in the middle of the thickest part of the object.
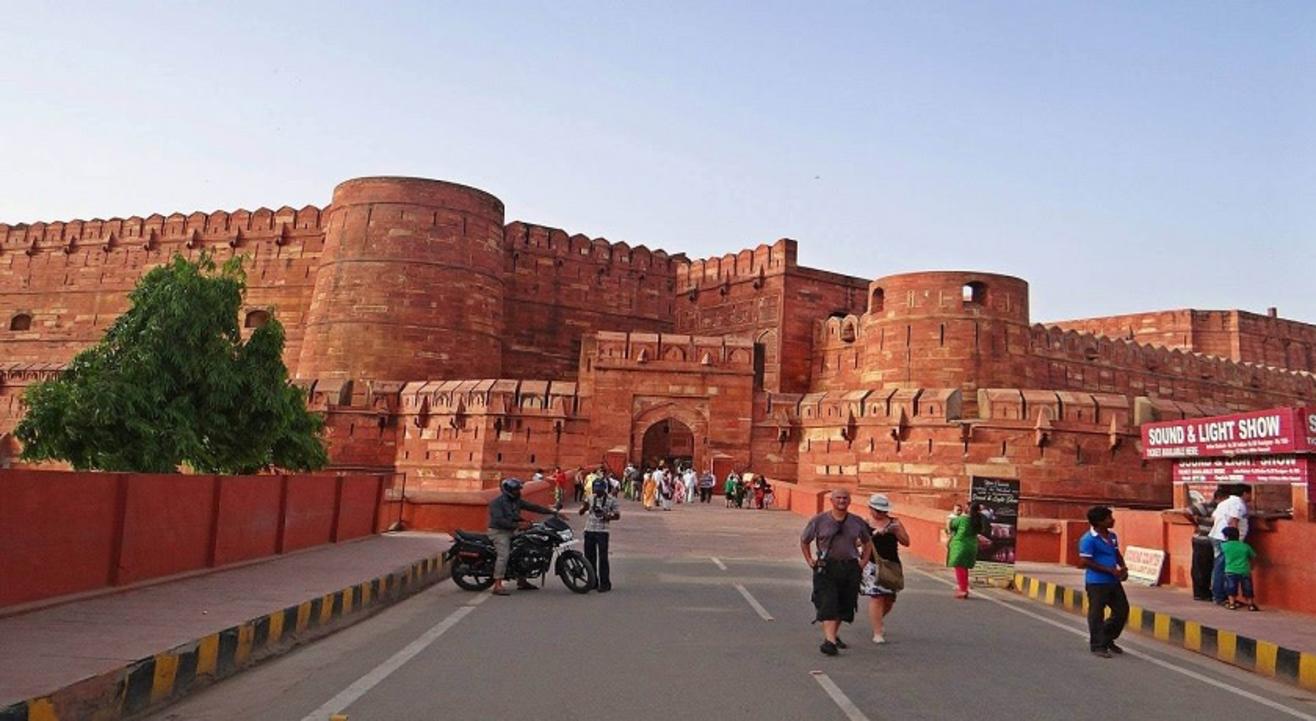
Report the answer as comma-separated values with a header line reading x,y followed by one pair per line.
x,y
670,441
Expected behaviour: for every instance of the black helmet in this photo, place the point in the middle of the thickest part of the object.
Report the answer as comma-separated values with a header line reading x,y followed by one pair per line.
x,y
512,487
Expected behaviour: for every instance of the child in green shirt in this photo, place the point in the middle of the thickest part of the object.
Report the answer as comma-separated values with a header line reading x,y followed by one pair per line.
x,y
1238,571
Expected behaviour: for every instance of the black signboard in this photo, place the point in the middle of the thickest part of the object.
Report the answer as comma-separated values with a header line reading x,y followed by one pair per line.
x,y
1000,510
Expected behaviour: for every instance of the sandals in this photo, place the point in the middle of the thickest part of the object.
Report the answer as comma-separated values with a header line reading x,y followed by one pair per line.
x,y
1232,606
1253,607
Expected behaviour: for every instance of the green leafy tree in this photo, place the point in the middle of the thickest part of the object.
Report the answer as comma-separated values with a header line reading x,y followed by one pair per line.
x,y
172,384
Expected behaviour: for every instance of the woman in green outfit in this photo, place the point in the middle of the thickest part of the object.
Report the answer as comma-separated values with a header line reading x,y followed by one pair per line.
x,y
962,551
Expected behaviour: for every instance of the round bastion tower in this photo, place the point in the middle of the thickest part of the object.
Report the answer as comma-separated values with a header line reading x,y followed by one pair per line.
x,y
947,329
410,284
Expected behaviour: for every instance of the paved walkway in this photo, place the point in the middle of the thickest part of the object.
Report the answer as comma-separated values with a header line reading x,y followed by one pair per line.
x,y
1293,630
47,649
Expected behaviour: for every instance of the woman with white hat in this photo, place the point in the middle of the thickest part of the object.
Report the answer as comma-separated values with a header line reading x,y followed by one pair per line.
x,y
884,577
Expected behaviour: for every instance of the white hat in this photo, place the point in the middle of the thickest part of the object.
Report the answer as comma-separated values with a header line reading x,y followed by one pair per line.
x,y
879,502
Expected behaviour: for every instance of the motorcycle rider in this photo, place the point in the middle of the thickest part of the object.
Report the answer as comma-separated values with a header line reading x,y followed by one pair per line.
x,y
504,518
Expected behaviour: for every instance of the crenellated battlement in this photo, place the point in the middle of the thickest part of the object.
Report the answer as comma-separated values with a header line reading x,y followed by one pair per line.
x,y
219,227
760,261
1180,366
522,237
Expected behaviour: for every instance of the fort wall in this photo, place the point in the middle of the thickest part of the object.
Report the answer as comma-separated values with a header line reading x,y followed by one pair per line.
x,y
71,279
1232,334
561,287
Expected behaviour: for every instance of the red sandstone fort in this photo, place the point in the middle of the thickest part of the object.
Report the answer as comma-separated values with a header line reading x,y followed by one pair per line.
x,y
451,348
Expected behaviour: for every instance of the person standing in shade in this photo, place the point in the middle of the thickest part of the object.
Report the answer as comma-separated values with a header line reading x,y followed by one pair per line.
x,y
1231,513
889,535
962,551
844,545
1199,511
603,509
1099,554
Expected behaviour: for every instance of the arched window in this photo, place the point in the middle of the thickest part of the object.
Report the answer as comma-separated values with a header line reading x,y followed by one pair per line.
x,y
878,301
974,293
848,333
256,319
22,321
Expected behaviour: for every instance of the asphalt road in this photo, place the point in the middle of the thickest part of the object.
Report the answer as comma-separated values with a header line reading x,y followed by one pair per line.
x,y
678,639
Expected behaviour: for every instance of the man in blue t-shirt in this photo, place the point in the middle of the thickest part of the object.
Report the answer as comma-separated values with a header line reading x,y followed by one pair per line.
x,y
1099,553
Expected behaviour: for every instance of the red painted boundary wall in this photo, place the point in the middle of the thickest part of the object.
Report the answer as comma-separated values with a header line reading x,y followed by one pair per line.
x,y
70,532
448,511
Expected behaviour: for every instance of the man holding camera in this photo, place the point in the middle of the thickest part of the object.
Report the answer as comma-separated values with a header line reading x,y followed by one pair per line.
x,y
602,508
845,544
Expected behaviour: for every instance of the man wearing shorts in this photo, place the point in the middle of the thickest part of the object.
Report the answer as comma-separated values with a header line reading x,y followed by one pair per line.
x,y
844,545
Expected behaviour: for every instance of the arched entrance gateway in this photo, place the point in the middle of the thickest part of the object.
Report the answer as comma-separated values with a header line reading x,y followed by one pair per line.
x,y
676,433
671,441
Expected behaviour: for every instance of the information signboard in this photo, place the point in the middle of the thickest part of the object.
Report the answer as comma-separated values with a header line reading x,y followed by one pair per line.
x,y
1000,509
1144,565
1255,470
1269,432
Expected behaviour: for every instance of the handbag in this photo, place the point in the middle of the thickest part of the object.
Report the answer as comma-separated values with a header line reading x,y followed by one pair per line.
x,y
890,574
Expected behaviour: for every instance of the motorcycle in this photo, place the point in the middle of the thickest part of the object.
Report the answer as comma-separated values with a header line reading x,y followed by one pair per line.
x,y
472,556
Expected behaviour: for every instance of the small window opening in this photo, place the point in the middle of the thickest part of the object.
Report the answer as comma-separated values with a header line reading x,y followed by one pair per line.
x,y
878,302
22,321
974,293
256,319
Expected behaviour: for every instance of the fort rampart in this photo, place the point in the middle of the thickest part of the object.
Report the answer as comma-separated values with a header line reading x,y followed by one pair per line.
x,y
450,348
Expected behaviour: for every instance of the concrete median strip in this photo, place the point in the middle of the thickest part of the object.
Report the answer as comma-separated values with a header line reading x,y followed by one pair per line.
x,y
163,677
1263,657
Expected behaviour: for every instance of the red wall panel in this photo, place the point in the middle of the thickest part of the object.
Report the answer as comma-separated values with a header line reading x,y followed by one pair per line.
x,y
357,508
166,527
310,513
57,533
248,524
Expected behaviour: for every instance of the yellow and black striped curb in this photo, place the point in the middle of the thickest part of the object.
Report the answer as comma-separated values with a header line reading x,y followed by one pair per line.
x,y
163,677
1262,657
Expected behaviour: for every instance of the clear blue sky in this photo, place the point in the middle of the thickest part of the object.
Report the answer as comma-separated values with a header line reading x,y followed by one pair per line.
x,y
1118,156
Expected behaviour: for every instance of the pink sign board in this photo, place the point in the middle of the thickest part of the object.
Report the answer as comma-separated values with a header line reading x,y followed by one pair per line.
x,y
1259,433
1255,470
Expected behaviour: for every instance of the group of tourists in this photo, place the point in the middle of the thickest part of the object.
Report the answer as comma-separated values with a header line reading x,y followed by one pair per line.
x,y
849,557
1222,558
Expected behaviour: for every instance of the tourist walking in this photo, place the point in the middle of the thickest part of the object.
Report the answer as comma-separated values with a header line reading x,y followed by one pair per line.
x,y
1231,513
732,489
650,490
691,481
666,488
706,483
1099,554
559,486
578,486
884,577
603,509
962,551
844,545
